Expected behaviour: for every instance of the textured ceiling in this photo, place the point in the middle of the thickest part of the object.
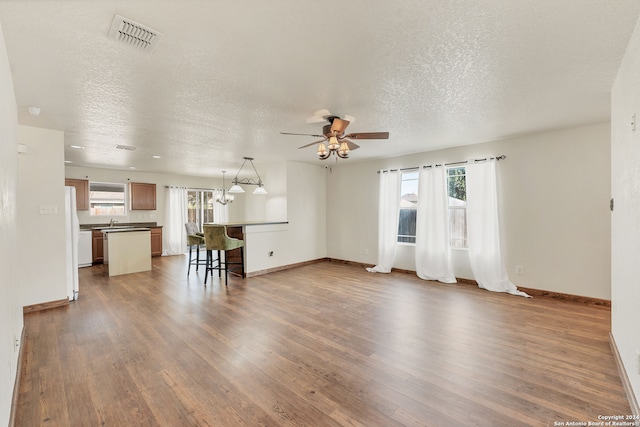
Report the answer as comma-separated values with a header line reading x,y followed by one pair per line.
x,y
228,75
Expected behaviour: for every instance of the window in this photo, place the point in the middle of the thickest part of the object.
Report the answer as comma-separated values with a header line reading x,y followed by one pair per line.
x,y
200,207
457,189
457,184
106,199
408,205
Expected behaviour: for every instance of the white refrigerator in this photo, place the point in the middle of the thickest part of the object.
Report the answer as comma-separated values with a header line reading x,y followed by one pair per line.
x,y
72,230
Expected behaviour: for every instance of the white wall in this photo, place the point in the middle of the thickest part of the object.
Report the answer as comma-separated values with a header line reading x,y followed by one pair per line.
x,y
303,238
10,278
263,207
554,193
625,226
42,237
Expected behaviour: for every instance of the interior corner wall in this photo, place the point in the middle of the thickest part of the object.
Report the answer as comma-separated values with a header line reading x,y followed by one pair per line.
x,y
11,321
625,222
41,245
303,238
554,190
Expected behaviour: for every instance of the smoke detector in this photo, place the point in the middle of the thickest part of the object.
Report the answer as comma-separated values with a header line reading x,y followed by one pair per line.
x,y
134,34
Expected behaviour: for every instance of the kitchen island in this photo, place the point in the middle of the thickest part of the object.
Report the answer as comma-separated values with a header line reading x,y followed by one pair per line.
x,y
258,254
126,250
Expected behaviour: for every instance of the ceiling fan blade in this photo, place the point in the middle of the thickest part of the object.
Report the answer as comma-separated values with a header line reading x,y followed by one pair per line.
x,y
352,145
310,144
302,134
319,116
368,135
338,126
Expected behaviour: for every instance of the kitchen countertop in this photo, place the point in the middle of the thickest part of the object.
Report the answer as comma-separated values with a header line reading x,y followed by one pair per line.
x,y
123,230
100,226
243,223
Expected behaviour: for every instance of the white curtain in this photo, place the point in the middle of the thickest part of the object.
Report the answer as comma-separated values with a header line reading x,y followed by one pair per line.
x,y
174,232
220,212
433,254
388,213
483,229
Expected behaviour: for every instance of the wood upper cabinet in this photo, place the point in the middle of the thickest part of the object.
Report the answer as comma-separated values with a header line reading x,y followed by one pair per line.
x,y
142,196
82,192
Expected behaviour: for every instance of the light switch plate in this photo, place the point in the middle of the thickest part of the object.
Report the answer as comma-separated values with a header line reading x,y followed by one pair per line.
x,y
48,209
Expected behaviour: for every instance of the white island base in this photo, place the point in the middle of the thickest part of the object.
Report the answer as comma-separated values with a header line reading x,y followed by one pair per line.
x,y
127,250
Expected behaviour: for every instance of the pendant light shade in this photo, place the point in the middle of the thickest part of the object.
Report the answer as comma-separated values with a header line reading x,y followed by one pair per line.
x,y
236,188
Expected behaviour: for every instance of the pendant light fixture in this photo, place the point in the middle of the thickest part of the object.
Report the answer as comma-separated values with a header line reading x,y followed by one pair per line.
x,y
225,197
235,188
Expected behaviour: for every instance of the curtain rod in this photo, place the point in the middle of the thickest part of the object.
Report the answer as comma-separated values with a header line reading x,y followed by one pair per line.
x,y
501,157
191,188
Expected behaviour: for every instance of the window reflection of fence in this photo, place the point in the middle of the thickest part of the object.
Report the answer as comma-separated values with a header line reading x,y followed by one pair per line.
x,y
200,206
107,210
407,226
458,226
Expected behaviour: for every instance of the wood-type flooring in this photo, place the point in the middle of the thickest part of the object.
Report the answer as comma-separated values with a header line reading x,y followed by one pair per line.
x,y
325,344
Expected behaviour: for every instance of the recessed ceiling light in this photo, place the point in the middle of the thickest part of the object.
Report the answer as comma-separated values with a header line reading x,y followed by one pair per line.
x,y
76,147
132,167
68,161
156,157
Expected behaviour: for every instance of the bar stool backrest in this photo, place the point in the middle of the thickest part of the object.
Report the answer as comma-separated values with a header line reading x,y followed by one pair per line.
x,y
216,238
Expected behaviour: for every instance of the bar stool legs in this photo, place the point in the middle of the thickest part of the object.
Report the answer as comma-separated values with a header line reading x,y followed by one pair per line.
x,y
223,265
197,262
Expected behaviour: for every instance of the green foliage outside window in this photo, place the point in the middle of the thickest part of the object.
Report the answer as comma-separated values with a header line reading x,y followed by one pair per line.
x,y
457,183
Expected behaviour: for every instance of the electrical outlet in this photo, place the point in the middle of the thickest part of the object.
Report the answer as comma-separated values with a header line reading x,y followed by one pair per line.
x,y
519,270
366,251
16,344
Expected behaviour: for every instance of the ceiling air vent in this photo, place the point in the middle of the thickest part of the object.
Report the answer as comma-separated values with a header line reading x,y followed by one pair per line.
x,y
124,147
134,34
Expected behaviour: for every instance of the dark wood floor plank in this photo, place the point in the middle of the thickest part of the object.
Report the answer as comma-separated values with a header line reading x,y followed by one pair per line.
x,y
326,344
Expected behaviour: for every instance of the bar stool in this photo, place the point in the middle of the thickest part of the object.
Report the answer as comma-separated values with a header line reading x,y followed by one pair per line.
x,y
194,238
217,239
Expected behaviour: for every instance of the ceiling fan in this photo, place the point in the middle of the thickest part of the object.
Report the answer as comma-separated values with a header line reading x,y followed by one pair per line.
x,y
333,134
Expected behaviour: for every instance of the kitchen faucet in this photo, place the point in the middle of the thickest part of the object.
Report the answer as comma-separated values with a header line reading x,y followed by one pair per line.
x,y
111,222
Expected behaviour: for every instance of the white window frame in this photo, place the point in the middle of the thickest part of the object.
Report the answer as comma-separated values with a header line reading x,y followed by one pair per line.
x,y
92,200
414,175
456,207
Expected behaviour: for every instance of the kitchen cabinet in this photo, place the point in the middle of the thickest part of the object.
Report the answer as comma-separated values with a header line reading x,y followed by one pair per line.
x,y
97,248
97,243
142,196
82,192
126,250
156,241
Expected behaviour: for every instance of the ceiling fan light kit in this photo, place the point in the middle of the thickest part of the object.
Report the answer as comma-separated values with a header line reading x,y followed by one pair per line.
x,y
336,141
236,188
